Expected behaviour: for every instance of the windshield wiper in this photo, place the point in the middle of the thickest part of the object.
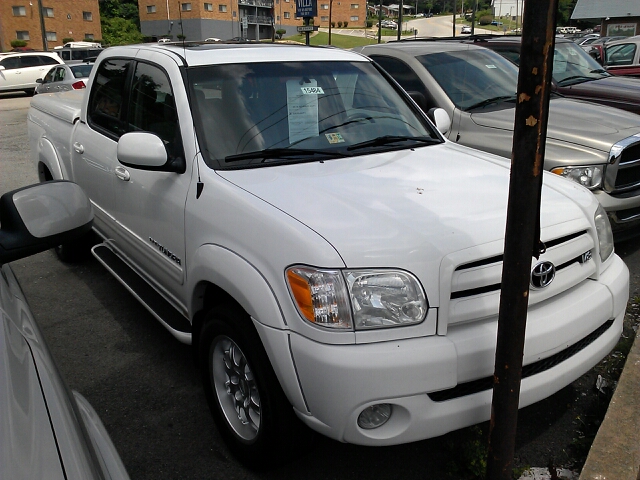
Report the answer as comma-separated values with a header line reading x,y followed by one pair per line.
x,y
388,139
283,153
584,78
489,101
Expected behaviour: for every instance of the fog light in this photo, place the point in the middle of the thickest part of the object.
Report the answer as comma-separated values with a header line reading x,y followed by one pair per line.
x,y
374,416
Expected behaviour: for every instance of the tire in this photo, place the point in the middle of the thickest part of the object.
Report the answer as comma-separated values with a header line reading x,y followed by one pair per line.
x,y
77,250
252,414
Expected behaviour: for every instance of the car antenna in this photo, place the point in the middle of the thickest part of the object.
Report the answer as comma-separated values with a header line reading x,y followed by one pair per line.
x,y
200,183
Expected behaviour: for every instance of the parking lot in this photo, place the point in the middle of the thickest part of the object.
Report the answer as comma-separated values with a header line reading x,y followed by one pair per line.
x,y
144,386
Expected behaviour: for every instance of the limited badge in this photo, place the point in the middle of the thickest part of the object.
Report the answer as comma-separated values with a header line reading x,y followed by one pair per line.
x,y
334,137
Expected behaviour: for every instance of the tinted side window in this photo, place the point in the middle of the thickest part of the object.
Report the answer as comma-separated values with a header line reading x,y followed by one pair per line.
x,y
152,107
47,60
107,97
407,78
621,54
50,75
29,61
10,63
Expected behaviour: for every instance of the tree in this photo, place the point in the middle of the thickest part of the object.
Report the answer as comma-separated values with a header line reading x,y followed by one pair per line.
x,y
127,9
120,31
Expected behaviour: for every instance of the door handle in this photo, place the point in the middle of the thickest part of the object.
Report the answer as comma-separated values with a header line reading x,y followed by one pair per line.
x,y
122,173
78,147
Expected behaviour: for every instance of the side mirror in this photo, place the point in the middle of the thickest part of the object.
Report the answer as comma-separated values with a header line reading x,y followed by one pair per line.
x,y
142,150
441,118
36,218
39,80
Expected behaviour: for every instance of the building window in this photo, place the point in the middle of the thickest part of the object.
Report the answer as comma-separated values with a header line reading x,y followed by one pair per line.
x,y
47,12
287,1
325,18
87,16
222,9
324,6
354,18
355,5
151,9
19,11
287,15
89,36
186,7
51,36
208,7
22,35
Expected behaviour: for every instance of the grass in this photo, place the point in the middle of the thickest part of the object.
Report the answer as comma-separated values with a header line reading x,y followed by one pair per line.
x,y
342,41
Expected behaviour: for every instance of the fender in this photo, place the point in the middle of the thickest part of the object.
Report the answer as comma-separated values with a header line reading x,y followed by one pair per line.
x,y
213,264
48,156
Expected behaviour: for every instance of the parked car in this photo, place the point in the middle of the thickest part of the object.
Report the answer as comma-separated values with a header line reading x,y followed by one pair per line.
x,y
596,48
79,54
594,145
622,57
65,77
20,70
389,24
575,73
496,23
465,29
47,431
291,214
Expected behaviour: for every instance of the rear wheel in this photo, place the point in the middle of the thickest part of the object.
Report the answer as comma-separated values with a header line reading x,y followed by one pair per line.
x,y
248,405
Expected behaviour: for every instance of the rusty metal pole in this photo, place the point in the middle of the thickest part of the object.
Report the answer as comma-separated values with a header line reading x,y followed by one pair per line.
x,y
522,241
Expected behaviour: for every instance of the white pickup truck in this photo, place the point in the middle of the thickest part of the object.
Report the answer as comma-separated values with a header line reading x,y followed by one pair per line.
x,y
323,248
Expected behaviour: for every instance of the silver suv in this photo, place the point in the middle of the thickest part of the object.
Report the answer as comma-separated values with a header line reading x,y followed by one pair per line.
x,y
19,71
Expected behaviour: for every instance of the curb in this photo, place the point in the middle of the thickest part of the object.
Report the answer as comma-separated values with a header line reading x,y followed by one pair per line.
x,y
615,452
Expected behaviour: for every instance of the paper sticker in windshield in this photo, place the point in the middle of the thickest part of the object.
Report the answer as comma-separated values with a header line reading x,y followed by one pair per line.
x,y
312,90
491,66
302,110
334,137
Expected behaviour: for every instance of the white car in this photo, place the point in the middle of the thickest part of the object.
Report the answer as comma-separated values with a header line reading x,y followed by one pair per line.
x,y
20,70
294,216
47,430
465,29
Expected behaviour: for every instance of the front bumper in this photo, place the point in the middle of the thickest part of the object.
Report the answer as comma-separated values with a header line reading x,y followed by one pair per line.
x,y
339,381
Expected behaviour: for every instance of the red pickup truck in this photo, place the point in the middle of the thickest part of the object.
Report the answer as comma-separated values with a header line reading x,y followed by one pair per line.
x,y
622,57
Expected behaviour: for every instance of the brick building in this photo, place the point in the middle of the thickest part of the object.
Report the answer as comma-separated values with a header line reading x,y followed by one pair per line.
x,y
225,19
19,20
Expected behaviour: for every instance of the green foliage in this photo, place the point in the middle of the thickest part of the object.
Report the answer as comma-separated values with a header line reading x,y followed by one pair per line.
x,y
484,13
339,24
369,23
120,31
280,32
565,8
67,39
470,455
127,9
181,36
18,43
485,20
345,24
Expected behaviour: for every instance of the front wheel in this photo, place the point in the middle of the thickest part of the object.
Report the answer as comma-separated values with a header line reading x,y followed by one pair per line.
x,y
248,405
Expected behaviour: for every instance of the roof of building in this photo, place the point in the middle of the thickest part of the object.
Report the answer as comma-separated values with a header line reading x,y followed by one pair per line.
x,y
605,8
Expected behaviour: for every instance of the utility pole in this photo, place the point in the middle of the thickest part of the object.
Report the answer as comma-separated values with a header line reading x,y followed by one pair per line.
x,y
522,238
380,22
43,32
400,20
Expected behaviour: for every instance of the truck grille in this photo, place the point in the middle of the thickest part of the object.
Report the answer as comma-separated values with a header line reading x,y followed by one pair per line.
x,y
623,171
475,285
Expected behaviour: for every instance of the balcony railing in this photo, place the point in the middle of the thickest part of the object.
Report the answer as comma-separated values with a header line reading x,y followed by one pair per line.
x,y
259,19
257,3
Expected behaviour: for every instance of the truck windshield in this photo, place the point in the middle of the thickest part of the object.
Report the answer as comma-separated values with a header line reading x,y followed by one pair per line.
x,y
259,114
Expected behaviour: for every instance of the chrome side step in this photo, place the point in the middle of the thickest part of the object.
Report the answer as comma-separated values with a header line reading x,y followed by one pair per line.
x,y
160,308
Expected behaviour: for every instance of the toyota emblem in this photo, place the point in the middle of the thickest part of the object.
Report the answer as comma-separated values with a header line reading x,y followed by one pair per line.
x,y
542,274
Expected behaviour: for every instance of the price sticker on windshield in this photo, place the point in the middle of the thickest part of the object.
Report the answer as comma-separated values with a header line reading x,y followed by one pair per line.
x,y
312,90
491,66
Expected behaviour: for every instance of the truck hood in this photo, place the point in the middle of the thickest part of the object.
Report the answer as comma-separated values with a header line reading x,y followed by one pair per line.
x,y
380,208
598,127
619,89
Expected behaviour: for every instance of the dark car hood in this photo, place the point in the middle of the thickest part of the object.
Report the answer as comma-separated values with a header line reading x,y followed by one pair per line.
x,y
615,91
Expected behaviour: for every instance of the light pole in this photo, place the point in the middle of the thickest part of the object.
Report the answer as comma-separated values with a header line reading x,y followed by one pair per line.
x,y
330,5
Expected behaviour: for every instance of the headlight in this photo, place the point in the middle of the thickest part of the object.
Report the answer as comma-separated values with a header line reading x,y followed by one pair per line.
x,y
590,177
367,299
605,235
